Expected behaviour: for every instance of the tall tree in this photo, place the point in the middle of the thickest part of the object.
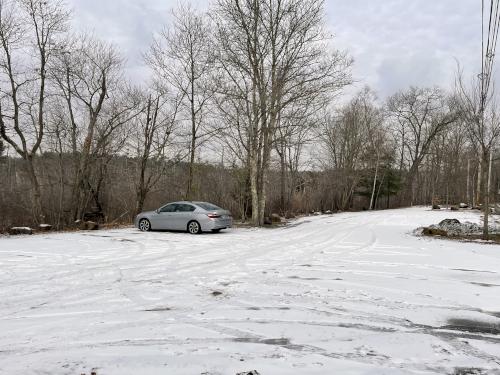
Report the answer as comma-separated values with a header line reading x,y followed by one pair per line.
x,y
272,54
182,57
479,111
150,140
419,115
88,73
29,33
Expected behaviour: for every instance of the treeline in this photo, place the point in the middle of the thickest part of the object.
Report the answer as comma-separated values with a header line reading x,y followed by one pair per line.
x,y
242,109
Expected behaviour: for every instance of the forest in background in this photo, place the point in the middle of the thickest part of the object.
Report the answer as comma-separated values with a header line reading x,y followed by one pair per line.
x,y
244,108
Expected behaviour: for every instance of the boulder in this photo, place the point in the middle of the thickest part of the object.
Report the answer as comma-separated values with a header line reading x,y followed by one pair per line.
x,y
253,372
448,222
463,205
14,231
267,221
328,212
430,231
45,227
289,215
436,207
454,208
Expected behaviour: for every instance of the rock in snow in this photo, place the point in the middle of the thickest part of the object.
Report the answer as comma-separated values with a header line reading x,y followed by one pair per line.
x,y
20,230
453,227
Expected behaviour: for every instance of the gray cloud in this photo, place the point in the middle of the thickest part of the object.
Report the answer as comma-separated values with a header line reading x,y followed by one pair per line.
x,y
395,43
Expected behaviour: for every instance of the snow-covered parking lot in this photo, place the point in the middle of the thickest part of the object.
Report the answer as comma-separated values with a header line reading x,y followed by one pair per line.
x,y
352,293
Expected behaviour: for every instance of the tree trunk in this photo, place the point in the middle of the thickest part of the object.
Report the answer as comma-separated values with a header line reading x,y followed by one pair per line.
x,y
283,200
254,191
189,192
140,199
479,181
36,197
374,185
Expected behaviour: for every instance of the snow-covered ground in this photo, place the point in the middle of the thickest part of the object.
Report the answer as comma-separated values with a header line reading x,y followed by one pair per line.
x,y
353,293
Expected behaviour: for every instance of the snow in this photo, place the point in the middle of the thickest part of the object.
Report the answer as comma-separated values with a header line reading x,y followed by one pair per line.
x,y
351,293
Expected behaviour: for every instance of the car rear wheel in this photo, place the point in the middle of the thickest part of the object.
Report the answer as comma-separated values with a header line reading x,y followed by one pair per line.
x,y
194,227
144,225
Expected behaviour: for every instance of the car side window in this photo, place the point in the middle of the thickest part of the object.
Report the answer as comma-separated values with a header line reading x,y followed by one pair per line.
x,y
169,208
185,208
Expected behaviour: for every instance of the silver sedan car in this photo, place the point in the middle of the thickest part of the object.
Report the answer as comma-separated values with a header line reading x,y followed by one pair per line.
x,y
194,217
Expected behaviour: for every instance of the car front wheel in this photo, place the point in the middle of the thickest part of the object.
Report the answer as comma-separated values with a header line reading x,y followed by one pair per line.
x,y
194,227
144,225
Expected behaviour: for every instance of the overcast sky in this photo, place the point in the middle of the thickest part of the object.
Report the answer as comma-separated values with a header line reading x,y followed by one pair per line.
x,y
395,43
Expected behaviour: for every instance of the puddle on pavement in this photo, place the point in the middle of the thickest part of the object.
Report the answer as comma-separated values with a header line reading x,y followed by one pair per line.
x,y
473,326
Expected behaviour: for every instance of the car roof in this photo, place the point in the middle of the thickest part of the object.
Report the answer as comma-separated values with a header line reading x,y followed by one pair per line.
x,y
196,203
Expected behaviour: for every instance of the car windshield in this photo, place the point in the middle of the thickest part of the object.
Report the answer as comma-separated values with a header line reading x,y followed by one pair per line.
x,y
208,206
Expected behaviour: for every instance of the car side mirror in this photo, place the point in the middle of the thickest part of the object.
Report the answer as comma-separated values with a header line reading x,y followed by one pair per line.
x,y
157,210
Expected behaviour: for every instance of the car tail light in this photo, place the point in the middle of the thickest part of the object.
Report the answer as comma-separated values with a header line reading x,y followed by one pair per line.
x,y
213,216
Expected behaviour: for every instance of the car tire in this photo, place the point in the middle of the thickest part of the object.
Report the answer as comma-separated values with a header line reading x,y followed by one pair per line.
x,y
144,225
194,227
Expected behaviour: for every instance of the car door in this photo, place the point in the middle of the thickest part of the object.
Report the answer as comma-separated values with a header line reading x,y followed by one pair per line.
x,y
166,218
183,215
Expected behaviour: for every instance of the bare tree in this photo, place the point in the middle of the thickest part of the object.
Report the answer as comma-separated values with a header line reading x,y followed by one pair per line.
x,y
29,32
151,141
273,53
344,137
88,73
483,124
182,57
419,115
295,130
